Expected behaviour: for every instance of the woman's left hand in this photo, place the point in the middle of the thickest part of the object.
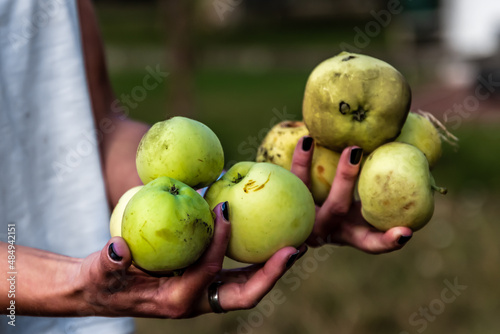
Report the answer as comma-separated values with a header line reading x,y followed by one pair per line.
x,y
339,220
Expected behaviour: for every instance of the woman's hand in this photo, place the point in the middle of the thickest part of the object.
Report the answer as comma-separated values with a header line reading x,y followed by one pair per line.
x,y
111,286
339,219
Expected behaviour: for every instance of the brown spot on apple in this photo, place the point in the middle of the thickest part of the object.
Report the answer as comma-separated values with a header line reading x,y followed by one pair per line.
x,y
409,205
320,169
255,187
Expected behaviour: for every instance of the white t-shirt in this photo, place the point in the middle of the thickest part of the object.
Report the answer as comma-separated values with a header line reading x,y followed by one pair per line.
x,y
51,185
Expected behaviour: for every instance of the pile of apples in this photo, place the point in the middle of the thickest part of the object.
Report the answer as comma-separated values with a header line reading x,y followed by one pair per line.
x,y
168,225
349,100
357,100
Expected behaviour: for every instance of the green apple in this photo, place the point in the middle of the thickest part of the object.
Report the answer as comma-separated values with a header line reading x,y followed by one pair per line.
x,y
279,145
167,225
183,149
269,208
353,99
115,222
421,132
396,187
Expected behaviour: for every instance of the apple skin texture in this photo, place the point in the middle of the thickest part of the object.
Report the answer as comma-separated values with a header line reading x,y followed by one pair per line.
x,y
167,225
354,99
278,147
269,208
420,132
396,187
115,222
180,148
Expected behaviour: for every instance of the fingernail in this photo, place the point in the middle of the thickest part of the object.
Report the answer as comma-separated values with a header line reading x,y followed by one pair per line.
x,y
292,259
225,210
404,239
356,154
112,253
307,144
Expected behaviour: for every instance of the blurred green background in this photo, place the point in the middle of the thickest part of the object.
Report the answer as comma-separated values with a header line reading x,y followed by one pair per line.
x,y
241,67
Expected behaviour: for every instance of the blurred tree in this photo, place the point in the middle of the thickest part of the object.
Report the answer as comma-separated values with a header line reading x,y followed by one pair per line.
x,y
179,17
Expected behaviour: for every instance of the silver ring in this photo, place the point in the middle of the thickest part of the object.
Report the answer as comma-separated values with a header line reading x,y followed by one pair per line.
x,y
213,297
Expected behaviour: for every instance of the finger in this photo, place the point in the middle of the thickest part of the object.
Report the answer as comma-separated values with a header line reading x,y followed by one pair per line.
x,y
112,263
200,275
242,275
302,157
370,240
235,296
239,275
339,199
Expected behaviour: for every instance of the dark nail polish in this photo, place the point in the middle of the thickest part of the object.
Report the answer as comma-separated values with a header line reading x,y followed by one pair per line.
x,y
307,144
112,254
292,259
225,210
404,239
356,154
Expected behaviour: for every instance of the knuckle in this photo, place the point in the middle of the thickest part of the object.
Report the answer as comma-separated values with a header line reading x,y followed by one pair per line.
x,y
213,269
348,175
301,160
249,302
339,208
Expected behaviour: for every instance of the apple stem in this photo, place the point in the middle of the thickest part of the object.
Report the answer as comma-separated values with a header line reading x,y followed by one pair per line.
x,y
238,178
441,190
174,191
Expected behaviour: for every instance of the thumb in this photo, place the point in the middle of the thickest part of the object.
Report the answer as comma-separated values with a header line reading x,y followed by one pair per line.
x,y
114,259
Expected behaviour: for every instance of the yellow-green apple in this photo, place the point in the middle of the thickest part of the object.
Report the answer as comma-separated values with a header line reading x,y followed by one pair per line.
x,y
115,222
353,99
180,148
396,187
421,132
269,208
278,147
167,225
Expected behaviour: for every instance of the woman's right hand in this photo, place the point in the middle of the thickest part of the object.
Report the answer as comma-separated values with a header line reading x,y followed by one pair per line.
x,y
109,285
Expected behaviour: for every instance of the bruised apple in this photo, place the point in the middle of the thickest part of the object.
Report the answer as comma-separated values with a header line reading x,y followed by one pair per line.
x,y
355,100
269,208
396,187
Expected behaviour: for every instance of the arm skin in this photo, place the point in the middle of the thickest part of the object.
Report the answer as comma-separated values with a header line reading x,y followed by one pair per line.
x,y
339,220
120,135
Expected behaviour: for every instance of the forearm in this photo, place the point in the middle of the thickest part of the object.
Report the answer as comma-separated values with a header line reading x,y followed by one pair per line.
x,y
120,135
119,148
41,283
